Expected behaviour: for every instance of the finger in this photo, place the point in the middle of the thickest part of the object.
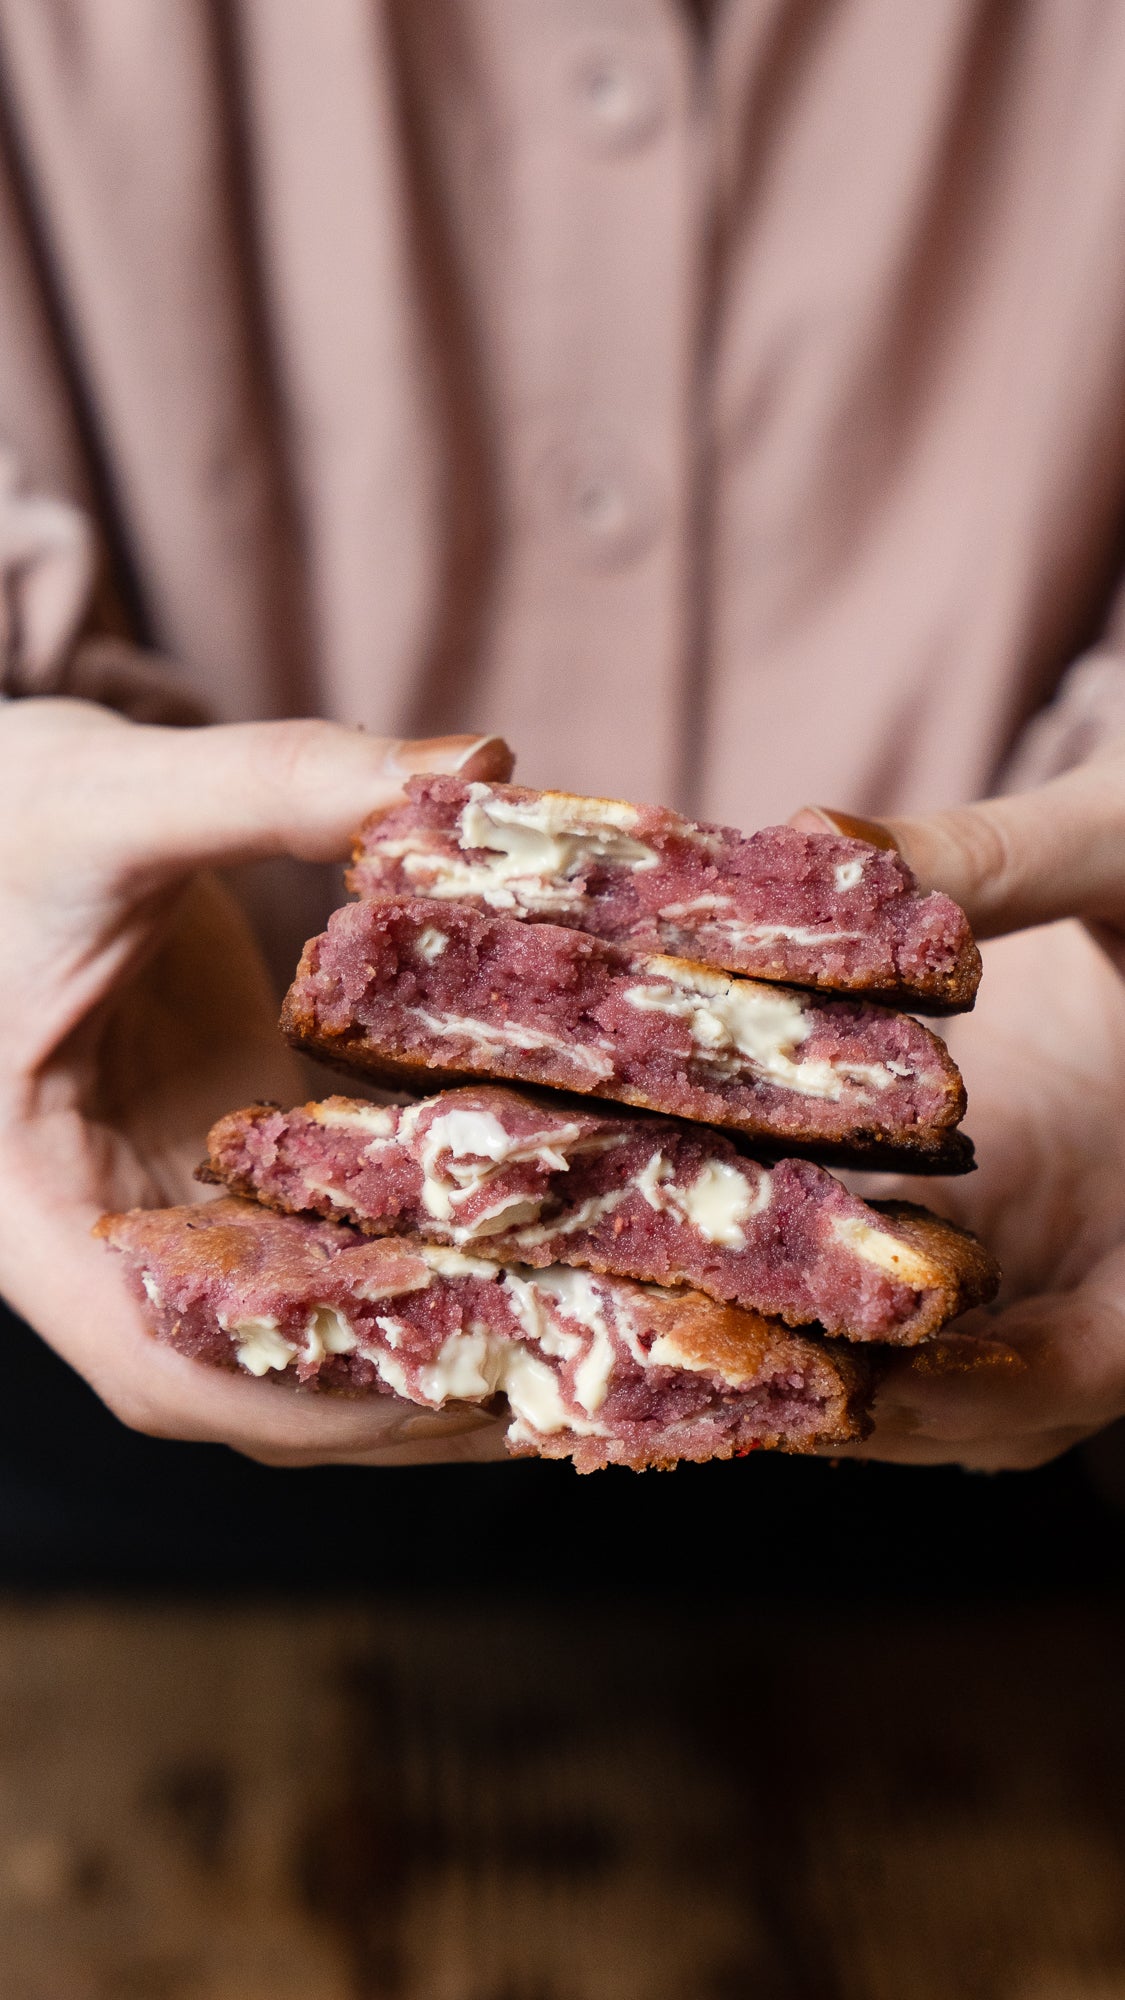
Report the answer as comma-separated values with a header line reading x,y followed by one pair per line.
x,y
1005,1389
156,1390
165,1394
483,1446
163,800
1014,862
1016,1453
75,1295
298,788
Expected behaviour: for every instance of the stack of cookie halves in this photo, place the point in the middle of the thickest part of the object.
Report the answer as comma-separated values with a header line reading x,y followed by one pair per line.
x,y
631,1044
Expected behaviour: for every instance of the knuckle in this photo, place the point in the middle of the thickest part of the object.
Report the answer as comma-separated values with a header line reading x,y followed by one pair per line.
x,y
985,848
292,755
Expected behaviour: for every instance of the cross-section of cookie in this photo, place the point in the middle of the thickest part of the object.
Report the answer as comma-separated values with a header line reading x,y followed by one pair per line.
x,y
817,910
594,1368
411,991
515,1177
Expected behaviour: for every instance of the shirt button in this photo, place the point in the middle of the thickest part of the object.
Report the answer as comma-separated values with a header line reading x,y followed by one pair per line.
x,y
603,502
620,93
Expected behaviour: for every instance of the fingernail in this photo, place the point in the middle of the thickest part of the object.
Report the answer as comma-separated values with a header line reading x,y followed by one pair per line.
x,y
485,756
452,1421
825,819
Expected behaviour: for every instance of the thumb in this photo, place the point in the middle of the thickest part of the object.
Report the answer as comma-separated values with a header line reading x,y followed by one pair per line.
x,y
1013,862
154,801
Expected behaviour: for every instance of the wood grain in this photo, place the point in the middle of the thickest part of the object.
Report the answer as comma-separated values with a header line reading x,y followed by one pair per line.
x,y
449,1802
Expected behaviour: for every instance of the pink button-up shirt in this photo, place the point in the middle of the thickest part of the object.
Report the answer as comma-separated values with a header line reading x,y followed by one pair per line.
x,y
725,403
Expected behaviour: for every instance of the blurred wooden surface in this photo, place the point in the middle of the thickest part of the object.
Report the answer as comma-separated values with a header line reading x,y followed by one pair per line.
x,y
207,1803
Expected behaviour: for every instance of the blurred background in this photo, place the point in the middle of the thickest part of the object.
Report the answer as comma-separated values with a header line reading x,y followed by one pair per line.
x,y
772,1728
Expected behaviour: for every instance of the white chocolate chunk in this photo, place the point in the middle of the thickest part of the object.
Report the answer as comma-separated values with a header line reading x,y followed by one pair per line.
x,y
454,1263
591,1377
393,1373
652,1181
533,1392
478,1148
316,1184
887,1253
447,878
475,1365
697,903
665,1352
849,874
720,1200
511,1034
585,1216
479,1135
466,1367
511,1211
328,1332
464,1148
378,1119
526,1295
821,934
458,1130
877,1075
578,1295
554,834
536,850
716,1203
259,1345
733,931
738,1021
431,943
417,1280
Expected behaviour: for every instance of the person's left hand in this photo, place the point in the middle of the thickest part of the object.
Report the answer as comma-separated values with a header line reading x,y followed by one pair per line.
x,y
1044,1061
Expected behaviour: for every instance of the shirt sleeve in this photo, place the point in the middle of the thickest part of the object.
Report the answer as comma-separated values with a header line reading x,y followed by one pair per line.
x,y
1085,715
48,638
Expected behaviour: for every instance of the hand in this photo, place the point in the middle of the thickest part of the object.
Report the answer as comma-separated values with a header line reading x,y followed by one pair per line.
x,y
1044,1062
137,1008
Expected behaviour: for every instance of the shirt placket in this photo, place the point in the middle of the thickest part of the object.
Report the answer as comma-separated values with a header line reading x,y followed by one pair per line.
x,y
595,286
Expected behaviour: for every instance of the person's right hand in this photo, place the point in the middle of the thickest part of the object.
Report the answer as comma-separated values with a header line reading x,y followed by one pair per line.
x,y
136,1009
